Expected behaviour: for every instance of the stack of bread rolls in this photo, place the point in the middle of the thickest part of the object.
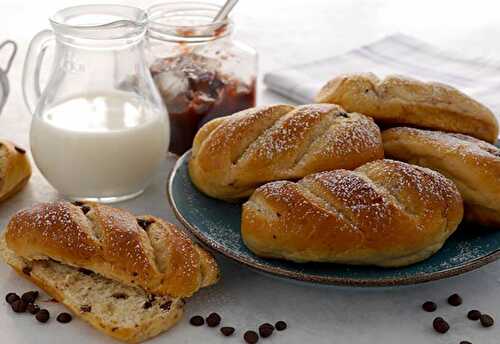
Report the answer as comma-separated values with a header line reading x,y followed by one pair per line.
x,y
321,181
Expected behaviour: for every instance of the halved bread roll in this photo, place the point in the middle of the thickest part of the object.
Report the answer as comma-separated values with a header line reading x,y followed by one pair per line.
x,y
126,276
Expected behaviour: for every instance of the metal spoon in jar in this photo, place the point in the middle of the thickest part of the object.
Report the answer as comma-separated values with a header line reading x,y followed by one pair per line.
x,y
225,10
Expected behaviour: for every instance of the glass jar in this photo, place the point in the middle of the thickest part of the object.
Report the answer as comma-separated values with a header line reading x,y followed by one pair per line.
x,y
99,129
200,71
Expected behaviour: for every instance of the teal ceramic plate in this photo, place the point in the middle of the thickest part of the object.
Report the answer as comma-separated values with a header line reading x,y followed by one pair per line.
x,y
217,225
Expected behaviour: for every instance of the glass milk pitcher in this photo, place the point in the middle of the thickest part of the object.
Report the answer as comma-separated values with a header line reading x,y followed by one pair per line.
x,y
99,128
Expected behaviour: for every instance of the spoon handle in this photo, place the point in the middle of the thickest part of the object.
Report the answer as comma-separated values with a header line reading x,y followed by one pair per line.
x,y
224,11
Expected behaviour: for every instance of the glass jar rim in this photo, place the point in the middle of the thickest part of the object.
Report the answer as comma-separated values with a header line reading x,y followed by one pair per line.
x,y
164,21
100,22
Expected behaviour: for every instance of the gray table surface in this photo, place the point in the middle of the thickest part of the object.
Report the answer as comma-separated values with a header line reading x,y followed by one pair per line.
x,y
284,33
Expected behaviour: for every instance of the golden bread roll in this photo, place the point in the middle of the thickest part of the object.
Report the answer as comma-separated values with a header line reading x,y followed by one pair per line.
x,y
384,213
143,251
15,169
473,165
397,100
233,155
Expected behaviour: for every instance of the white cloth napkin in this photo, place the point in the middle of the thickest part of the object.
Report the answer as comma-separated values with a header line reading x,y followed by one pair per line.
x,y
395,54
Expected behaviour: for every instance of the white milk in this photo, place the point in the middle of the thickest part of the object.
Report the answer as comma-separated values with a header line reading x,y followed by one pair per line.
x,y
99,147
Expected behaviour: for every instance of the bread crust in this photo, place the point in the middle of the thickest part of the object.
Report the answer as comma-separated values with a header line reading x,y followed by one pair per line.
x,y
158,258
15,169
384,213
399,100
473,165
233,155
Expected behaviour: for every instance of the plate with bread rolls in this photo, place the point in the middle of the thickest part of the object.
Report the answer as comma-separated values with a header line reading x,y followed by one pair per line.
x,y
379,183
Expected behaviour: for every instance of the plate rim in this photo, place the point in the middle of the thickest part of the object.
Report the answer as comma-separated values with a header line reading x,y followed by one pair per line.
x,y
311,278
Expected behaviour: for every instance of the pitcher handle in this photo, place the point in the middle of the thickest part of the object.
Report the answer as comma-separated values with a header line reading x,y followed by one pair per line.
x,y
32,65
12,55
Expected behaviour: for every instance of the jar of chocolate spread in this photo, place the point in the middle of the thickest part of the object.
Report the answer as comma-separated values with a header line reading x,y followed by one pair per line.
x,y
200,71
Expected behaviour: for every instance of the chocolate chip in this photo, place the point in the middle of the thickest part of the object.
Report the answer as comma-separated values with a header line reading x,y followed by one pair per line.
x,y
27,270
227,331
64,318
20,150
343,114
32,308
440,325
429,306
265,330
213,320
85,209
486,320
465,342
86,308
42,316
19,306
455,300
30,296
197,320
77,203
147,305
85,271
120,296
11,297
144,224
166,306
251,337
280,325
474,315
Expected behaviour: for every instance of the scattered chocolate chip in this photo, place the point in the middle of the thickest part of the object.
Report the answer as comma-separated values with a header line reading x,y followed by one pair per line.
x,y
144,224
64,318
227,331
42,316
86,308
343,114
32,308
85,271
166,306
440,325
77,203
486,320
27,270
85,209
465,342
19,306
114,329
213,320
265,330
474,315
429,306
197,320
11,297
20,150
251,337
134,274
280,325
455,300
148,304
30,296
120,296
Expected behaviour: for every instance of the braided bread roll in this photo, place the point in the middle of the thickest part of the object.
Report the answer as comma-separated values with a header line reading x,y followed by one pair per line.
x,y
399,100
145,251
233,155
473,165
15,169
384,213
